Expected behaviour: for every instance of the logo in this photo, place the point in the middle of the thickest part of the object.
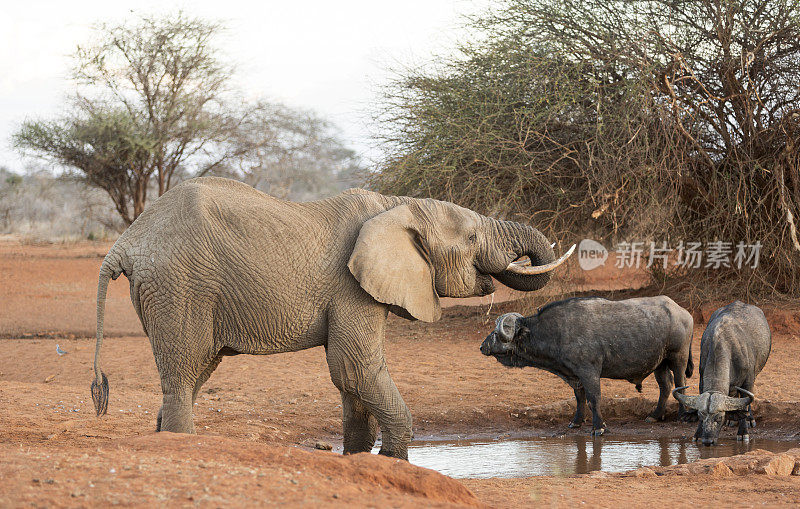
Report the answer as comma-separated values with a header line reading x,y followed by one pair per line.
x,y
591,254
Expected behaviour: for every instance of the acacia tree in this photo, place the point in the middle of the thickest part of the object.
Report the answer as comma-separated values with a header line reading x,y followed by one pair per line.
x,y
663,118
292,154
151,99
155,103
106,146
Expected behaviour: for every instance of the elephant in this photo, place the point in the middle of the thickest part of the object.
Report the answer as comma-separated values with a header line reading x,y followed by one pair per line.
x,y
219,268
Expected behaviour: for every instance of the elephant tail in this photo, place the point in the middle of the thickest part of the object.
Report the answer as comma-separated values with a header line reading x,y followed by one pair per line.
x,y
689,365
109,270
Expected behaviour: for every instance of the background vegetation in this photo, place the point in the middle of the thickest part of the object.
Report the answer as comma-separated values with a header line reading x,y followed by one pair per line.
x,y
626,120
154,104
38,206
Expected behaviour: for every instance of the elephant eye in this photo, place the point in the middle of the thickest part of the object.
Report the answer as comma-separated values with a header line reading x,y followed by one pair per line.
x,y
473,238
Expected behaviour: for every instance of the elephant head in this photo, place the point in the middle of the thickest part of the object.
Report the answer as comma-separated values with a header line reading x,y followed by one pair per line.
x,y
420,250
711,408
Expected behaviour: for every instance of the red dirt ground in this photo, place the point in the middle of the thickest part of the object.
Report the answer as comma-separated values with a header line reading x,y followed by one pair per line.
x,y
258,418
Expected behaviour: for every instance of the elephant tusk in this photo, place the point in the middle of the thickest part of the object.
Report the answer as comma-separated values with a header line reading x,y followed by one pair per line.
x,y
529,270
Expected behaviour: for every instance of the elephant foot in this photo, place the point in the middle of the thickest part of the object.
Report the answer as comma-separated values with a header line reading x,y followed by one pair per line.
x,y
355,449
574,424
401,455
358,440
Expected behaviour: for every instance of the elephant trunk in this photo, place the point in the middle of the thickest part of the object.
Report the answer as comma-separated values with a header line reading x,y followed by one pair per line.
x,y
522,240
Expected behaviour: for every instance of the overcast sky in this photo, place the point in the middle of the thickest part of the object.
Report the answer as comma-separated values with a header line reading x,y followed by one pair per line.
x,y
328,56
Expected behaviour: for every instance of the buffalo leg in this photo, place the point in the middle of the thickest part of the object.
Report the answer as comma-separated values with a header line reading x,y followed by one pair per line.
x,y
664,379
741,433
732,418
750,419
580,411
689,414
591,386
748,386
678,368
746,416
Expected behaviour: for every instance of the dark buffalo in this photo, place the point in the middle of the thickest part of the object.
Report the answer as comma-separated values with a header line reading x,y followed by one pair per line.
x,y
584,339
734,348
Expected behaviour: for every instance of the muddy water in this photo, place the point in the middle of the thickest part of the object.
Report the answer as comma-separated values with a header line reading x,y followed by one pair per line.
x,y
568,455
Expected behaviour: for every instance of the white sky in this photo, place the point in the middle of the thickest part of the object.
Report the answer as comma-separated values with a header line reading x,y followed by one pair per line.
x,y
330,56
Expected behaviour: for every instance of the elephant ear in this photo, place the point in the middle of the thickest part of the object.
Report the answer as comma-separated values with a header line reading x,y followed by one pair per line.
x,y
391,265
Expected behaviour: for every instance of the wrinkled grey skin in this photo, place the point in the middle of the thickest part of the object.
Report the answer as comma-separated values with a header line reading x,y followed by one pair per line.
x,y
733,350
218,268
585,339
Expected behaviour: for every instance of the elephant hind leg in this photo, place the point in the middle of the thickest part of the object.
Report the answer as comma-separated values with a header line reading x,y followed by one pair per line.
x,y
176,396
206,374
360,427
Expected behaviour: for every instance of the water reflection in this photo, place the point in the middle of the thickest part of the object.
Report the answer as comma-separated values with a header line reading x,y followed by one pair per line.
x,y
567,455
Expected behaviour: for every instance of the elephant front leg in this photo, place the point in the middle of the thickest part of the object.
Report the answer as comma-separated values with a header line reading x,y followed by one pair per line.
x,y
384,401
360,427
372,397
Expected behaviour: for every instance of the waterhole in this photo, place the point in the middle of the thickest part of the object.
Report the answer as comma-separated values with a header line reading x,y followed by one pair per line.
x,y
526,457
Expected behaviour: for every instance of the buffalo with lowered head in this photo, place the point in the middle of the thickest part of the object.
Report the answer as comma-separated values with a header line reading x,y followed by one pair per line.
x,y
733,350
585,339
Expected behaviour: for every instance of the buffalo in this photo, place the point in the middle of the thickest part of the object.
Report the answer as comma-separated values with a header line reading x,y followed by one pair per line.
x,y
733,351
584,339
